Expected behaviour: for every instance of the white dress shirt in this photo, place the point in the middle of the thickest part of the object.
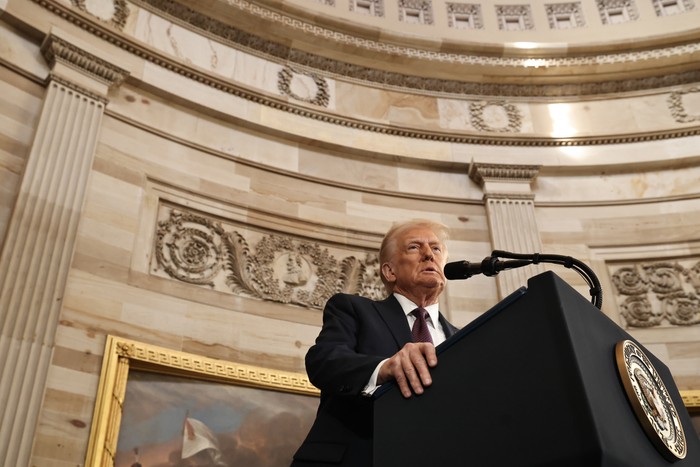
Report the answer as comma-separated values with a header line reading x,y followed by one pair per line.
x,y
436,332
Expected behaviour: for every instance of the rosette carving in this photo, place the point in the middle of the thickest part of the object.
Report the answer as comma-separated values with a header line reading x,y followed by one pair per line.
x,y
638,312
692,275
195,249
664,277
658,293
628,281
190,248
681,309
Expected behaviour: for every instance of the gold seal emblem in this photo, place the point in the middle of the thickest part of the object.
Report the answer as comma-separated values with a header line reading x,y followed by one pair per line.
x,y
650,400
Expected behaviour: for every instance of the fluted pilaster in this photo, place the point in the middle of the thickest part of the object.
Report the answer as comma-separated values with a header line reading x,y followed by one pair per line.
x,y
36,256
510,210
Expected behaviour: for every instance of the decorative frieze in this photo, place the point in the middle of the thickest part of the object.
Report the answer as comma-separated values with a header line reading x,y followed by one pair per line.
x,y
193,248
228,33
651,294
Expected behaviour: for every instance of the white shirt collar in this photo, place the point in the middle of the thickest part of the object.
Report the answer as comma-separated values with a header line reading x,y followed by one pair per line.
x,y
408,306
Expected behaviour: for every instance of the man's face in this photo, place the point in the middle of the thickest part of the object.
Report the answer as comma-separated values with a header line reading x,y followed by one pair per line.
x,y
418,262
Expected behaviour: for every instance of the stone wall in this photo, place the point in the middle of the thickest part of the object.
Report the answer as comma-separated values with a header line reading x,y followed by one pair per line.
x,y
213,213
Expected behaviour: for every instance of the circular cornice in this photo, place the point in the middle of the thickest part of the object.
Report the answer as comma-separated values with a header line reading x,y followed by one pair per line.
x,y
442,68
108,33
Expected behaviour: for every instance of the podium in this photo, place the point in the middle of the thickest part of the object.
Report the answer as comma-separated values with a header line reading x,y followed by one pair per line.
x,y
533,382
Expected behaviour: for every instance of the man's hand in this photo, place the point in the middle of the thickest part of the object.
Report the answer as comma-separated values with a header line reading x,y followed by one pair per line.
x,y
410,367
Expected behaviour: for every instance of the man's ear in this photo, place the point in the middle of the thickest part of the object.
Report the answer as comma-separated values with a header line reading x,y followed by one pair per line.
x,y
388,273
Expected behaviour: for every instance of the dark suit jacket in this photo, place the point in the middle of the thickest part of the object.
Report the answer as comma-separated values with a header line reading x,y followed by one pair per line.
x,y
357,334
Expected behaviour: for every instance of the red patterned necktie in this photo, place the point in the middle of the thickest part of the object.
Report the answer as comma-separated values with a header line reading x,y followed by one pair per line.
x,y
420,331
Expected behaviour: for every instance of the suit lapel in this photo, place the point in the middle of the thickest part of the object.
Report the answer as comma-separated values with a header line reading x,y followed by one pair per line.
x,y
392,314
447,327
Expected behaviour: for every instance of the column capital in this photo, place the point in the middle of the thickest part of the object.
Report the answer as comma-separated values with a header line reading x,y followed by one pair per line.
x,y
508,181
481,172
80,69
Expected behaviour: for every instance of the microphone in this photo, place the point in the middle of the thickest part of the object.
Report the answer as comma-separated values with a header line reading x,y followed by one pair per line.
x,y
489,266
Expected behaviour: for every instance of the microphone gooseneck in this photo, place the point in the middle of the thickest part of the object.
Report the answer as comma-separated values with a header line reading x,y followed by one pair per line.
x,y
492,265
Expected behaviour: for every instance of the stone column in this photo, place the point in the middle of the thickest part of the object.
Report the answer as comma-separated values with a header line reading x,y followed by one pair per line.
x,y
35,259
510,210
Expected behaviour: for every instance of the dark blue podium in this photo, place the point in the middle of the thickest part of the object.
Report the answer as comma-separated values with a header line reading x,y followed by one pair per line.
x,y
533,382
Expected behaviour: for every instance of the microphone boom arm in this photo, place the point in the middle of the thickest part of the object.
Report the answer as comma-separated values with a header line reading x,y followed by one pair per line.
x,y
580,267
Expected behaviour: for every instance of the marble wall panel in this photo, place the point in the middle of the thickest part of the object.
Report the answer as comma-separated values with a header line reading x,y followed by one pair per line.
x,y
679,182
270,171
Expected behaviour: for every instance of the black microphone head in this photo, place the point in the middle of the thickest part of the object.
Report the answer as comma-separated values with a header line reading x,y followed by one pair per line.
x,y
460,270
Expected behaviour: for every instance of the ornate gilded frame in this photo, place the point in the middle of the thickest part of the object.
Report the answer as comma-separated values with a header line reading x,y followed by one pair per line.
x,y
691,400
122,355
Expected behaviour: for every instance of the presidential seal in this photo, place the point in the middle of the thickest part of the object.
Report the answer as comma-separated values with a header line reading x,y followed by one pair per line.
x,y
650,400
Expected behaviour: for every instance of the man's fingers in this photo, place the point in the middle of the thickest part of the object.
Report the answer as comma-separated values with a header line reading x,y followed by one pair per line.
x,y
429,353
410,368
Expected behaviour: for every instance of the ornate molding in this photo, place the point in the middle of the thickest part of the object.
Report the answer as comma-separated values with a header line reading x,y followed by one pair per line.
x,y
193,248
481,172
653,293
228,33
450,137
54,49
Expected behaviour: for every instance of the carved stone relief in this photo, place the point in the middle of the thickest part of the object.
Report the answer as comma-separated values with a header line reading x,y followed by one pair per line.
x,y
114,12
617,11
464,16
279,52
657,293
514,17
565,15
495,116
677,103
416,11
303,86
196,249
672,7
368,7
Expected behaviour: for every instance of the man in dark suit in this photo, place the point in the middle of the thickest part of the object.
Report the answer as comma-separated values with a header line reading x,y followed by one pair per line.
x,y
364,344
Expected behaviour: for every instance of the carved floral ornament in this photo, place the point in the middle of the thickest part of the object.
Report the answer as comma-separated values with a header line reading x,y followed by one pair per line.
x,y
650,294
114,12
303,86
495,116
198,250
678,107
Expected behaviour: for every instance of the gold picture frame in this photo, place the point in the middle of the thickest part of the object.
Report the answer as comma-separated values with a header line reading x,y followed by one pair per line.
x,y
691,400
123,356
126,359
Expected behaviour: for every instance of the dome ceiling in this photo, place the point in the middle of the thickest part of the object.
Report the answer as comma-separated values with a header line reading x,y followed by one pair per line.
x,y
537,48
